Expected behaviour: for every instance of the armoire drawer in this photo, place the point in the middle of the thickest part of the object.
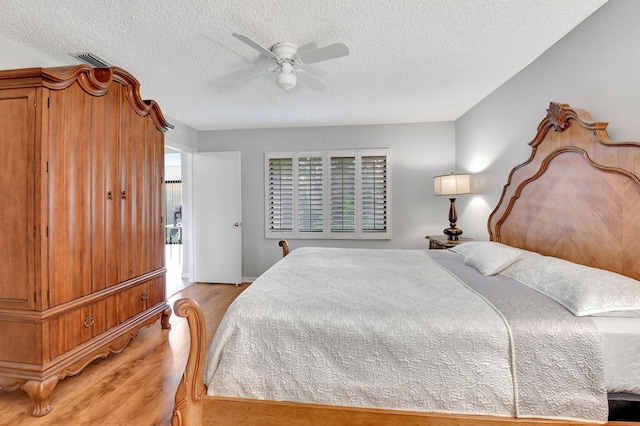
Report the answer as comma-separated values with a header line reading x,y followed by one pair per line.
x,y
139,298
76,327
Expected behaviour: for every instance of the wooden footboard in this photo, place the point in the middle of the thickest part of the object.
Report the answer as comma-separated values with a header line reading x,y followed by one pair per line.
x,y
285,247
237,411
188,402
194,408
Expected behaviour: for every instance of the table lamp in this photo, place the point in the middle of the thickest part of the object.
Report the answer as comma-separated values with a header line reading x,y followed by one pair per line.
x,y
452,185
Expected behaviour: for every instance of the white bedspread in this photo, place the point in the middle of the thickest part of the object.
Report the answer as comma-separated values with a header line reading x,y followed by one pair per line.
x,y
412,336
620,338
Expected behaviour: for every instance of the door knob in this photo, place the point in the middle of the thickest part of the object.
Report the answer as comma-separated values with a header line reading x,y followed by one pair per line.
x,y
237,224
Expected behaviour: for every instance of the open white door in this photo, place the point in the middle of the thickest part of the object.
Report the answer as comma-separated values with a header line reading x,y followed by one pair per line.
x,y
217,230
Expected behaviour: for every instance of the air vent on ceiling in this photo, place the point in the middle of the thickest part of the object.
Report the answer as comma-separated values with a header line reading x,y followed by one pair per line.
x,y
92,59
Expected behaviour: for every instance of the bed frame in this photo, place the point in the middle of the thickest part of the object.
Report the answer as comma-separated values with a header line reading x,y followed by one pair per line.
x,y
577,197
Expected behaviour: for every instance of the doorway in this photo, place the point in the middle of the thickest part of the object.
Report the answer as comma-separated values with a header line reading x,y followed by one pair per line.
x,y
174,253
217,217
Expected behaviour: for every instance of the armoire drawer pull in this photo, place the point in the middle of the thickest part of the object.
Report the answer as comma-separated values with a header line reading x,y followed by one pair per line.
x,y
88,322
144,295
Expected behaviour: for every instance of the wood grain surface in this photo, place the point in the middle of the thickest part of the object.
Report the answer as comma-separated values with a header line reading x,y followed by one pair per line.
x,y
136,387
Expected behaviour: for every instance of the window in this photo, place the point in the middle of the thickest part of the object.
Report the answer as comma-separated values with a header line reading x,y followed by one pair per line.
x,y
338,194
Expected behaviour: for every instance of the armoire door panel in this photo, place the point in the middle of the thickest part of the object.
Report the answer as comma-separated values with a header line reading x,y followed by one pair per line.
x,y
139,223
142,207
141,150
129,227
70,226
17,178
105,186
158,237
148,195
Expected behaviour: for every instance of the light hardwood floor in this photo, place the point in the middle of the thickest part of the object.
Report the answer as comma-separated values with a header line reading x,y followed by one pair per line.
x,y
173,259
135,387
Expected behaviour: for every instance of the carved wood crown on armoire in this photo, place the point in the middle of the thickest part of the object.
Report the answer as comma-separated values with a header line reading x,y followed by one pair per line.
x,y
82,255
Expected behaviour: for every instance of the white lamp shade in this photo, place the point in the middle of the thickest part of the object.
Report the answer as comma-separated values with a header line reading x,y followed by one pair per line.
x,y
452,184
286,80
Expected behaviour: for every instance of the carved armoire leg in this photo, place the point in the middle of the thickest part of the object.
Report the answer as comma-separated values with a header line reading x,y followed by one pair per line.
x,y
40,393
164,320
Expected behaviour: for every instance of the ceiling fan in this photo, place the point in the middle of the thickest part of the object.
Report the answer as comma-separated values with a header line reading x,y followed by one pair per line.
x,y
288,61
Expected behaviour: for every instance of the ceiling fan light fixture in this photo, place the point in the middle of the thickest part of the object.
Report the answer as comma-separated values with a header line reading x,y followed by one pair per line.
x,y
286,79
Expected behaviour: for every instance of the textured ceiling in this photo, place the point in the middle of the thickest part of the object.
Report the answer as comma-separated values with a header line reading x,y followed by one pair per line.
x,y
410,60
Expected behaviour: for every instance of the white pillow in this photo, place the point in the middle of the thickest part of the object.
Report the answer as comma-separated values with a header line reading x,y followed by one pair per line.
x,y
580,289
490,258
465,248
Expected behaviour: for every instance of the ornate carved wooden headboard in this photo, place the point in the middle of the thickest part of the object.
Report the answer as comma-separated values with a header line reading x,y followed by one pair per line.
x,y
577,196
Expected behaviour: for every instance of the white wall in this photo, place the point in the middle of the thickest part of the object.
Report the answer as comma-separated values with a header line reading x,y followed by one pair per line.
x,y
13,56
181,137
595,67
418,152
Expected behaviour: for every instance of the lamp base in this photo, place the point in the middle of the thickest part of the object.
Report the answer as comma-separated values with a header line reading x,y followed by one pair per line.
x,y
453,233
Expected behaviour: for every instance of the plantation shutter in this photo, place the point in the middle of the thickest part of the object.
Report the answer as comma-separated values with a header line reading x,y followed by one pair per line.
x,y
310,202
374,193
280,194
343,194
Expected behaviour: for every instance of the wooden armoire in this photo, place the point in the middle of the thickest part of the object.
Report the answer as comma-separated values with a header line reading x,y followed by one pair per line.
x,y
81,218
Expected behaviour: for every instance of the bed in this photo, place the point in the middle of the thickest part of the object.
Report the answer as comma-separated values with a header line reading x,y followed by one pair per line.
x,y
566,222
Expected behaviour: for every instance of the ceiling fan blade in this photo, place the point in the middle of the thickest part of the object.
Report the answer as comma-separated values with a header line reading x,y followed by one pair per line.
x,y
263,50
307,48
332,51
308,80
248,77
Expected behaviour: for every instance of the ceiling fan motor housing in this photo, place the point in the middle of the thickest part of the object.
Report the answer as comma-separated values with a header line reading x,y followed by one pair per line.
x,y
284,50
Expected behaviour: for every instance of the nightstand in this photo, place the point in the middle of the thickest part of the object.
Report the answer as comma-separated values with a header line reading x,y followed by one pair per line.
x,y
442,242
